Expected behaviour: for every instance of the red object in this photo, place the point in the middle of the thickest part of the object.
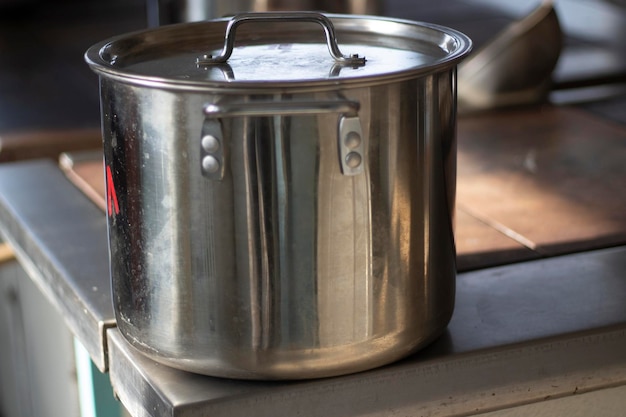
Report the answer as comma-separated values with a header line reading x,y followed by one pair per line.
x,y
111,195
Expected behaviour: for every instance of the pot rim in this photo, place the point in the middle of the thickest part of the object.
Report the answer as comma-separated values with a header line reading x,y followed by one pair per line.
x,y
455,44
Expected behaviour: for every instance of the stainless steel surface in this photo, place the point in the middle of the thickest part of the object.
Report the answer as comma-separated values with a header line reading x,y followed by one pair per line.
x,y
270,56
520,334
285,267
607,402
350,141
303,17
280,108
37,364
59,255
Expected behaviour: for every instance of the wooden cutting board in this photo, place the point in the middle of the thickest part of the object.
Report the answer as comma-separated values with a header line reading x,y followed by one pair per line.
x,y
554,178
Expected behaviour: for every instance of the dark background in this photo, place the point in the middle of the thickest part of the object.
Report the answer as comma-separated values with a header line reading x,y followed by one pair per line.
x,y
45,84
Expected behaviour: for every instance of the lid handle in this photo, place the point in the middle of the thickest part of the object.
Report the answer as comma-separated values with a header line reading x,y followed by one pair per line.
x,y
329,30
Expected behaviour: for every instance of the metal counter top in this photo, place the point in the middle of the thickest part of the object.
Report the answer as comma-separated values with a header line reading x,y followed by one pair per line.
x,y
59,237
521,333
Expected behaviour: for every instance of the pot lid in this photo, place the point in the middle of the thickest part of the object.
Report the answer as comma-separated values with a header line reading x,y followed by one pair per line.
x,y
279,49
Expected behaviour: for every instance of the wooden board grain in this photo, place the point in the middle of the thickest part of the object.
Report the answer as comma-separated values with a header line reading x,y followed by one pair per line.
x,y
554,177
86,171
480,245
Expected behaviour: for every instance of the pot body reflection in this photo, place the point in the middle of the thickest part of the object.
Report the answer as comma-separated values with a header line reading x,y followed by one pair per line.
x,y
285,267
281,212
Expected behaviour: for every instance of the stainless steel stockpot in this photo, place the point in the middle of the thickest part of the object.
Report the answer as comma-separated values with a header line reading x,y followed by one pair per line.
x,y
278,209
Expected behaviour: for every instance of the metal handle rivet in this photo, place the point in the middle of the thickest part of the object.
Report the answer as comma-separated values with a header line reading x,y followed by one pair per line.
x,y
353,159
210,143
352,140
210,164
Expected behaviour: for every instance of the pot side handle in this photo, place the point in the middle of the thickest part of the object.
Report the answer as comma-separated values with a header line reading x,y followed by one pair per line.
x,y
350,140
281,108
313,17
